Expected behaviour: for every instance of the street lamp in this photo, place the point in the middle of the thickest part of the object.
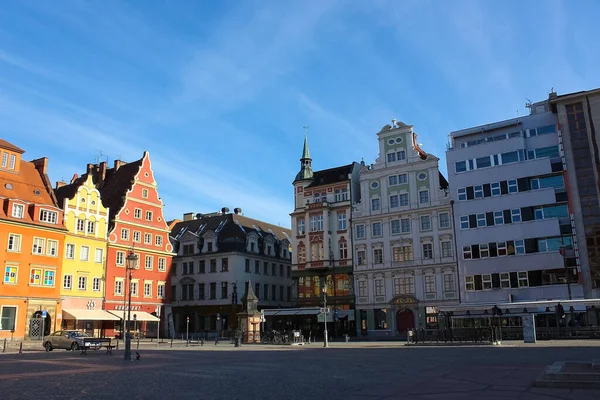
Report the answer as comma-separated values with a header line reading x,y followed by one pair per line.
x,y
131,261
218,327
324,289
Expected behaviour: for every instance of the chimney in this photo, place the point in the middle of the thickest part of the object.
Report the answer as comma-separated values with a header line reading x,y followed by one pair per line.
x,y
74,178
41,164
237,210
188,216
102,170
119,164
225,210
60,184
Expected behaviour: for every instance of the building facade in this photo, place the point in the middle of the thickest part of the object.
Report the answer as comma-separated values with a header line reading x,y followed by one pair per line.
x,y
405,264
218,255
322,239
130,192
515,223
82,283
32,237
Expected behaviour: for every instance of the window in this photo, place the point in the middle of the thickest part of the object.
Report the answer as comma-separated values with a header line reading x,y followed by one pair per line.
x,y
501,248
427,251
148,289
119,287
391,157
446,249
462,194
425,223
247,267
316,223
148,215
145,193
495,186
515,214
13,160
224,288
484,162
96,284
341,194
377,256
137,213
84,254
481,222
137,236
125,234
274,269
448,283
301,227
68,282
510,157
470,282
444,220
158,240
498,218
461,166
376,229
520,246
360,231
467,255
405,225
134,288
379,287
403,199
484,250
405,285
160,291
48,216
147,238
4,160
80,225
401,155
478,191
361,257
52,248
98,256
48,278
341,221
149,262
464,222
423,196
343,251
91,227
504,280
522,278
82,283
375,204
38,246
362,289
512,186
392,180
18,210
429,283
10,274
394,201
402,253
8,317
120,258
213,265
486,280
35,277
14,242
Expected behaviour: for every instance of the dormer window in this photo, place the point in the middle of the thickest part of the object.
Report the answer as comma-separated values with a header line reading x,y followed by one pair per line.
x,y
13,161
252,246
18,210
209,246
48,216
269,250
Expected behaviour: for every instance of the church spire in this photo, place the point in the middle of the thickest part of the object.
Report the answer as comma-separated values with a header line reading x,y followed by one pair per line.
x,y
306,172
305,152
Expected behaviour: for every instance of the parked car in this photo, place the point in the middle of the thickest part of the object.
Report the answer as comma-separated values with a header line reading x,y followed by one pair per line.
x,y
72,340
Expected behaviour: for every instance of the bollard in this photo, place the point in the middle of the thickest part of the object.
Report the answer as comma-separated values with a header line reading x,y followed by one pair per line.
x,y
202,341
171,341
216,340
20,347
138,341
4,348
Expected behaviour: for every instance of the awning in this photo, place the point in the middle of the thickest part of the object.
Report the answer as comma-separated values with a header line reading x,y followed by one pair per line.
x,y
137,315
308,312
82,314
285,312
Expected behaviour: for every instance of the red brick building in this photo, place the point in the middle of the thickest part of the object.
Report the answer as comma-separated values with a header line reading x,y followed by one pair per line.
x,y
137,224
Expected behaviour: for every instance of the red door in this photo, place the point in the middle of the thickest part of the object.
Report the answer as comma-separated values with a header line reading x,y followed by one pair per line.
x,y
405,320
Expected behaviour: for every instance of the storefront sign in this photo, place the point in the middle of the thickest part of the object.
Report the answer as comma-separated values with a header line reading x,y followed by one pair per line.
x,y
125,308
404,300
91,305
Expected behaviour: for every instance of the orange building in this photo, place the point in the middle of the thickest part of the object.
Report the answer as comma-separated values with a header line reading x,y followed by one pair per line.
x,y
32,238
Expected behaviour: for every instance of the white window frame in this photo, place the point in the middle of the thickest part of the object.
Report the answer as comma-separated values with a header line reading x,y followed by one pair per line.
x,y
52,248
119,285
148,289
379,232
342,221
96,284
486,281
467,252
149,260
394,201
515,215
478,191
378,255
149,215
395,227
97,252
405,222
124,234
85,253
91,227
427,254
498,217
379,287
495,188
469,283
519,244
14,242
18,210
137,213
501,246
522,279
361,257
429,283
120,258
363,290
147,238
70,251
484,250
49,217
513,187
423,199
481,220
447,251
11,274
422,219
360,231
82,282
461,194
403,199
145,193
39,246
158,240
449,284
375,204
504,280
160,291
137,236
447,225
464,222
80,225
68,282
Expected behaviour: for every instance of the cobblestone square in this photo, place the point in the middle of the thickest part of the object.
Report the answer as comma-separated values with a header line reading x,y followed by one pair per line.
x,y
344,371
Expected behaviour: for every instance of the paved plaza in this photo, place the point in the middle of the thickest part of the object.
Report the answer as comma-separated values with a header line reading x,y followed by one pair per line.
x,y
369,371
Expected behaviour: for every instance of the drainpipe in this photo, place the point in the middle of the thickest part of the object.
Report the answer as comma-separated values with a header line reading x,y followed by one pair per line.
x,y
455,249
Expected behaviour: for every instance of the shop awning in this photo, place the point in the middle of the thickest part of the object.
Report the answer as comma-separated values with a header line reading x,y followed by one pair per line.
x,y
82,314
308,312
139,316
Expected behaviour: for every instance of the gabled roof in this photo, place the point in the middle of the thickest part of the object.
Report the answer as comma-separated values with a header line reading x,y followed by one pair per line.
x,y
9,146
70,190
332,175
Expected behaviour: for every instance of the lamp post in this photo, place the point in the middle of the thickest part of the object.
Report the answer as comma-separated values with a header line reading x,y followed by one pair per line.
x,y
562,253
131,260
218,327
326,342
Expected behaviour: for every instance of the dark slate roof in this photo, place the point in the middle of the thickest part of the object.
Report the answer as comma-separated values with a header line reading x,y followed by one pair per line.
x,y
332,175
231,227
116,184
70,190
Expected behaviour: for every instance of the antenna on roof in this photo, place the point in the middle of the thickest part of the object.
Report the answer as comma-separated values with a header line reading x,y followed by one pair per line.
x,y
528,104
101,157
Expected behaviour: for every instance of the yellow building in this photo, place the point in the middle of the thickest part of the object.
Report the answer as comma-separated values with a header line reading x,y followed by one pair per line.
x,y
84,257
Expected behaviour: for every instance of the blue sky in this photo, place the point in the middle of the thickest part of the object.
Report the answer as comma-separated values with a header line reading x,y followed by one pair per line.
x,y
219,91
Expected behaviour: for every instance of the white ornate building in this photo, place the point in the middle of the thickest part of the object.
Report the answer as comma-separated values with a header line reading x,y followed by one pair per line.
x,y
403,236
